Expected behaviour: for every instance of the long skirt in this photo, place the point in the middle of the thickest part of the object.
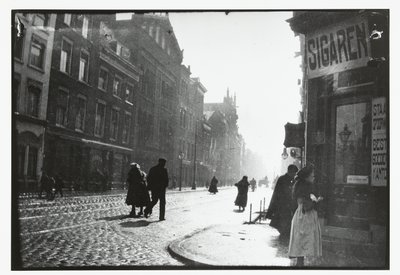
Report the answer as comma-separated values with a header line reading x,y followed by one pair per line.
x,y
305,234
241,200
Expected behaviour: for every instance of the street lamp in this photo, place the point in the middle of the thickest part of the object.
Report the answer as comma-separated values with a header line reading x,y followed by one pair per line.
x,y
344,138
180,156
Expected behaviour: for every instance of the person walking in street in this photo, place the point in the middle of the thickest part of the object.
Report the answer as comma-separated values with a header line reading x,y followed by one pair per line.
x,y
157,180
137,195
281,206
305,232
241,198
213,185
44,182
59,184
253,184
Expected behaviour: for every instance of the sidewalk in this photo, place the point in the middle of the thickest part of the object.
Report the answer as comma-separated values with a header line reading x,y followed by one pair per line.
x,y
252,245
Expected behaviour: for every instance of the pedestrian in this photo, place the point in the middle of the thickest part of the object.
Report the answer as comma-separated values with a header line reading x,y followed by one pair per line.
x,y
253,184
281,207
241,198
59,184
50,188
137,195
305,232
213,185
157,180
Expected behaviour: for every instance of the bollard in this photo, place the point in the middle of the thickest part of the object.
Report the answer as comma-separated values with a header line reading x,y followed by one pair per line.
x,y
250,212
260,211
264,210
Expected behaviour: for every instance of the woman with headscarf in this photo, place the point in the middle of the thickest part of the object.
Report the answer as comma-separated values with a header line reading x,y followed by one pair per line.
x,y
137,195
213,185
241,198
305,232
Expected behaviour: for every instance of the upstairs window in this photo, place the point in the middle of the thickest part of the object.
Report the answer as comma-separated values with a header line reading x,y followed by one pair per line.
x,y
18,48
129,93
99,119
84,66
37,53
33,101
114,124
85,26
117,86
103,79
67,19
126,128
81,114
40,20
66,56
62,108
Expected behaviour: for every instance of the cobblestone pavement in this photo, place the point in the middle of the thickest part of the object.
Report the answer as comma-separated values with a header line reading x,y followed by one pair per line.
x,y
88,231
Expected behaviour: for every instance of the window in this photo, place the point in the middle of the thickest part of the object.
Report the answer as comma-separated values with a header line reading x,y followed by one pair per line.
x,y
103,79
62,108
126,128
18,48
157,34
33,101
67,19
16,90
99,119
353,141
84,66
129,93
21,160
163,41
119,49
37,53
85,26
114,123
40,20
81,114
66,55
117,86
151,31
32,162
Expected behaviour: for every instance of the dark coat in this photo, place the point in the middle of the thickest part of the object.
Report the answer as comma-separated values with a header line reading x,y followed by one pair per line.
x,y
213,185
157,179
137,191
281,206
243,188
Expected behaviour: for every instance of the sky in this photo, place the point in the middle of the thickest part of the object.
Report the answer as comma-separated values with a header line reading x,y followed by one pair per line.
x,y
252,53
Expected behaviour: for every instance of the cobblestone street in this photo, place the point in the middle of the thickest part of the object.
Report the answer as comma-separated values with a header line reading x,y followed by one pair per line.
x,y
96,231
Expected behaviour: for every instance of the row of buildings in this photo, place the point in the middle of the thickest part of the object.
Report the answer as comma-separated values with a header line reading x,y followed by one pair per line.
x,y
345,99
92,93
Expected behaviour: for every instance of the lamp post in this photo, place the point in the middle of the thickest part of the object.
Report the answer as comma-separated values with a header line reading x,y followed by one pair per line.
x,y
180,156
344,138
195,157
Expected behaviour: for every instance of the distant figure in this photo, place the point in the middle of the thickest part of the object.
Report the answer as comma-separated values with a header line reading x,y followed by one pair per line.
x,y
44,183
59,184
213,185
241,198
305,232
137,195
253,184
50,188
281,207
157,180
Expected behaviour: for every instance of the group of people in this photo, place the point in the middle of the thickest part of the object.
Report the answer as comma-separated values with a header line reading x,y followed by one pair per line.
x,y
293,213
139,184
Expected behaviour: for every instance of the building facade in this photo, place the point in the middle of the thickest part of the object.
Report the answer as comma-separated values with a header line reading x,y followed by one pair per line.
x,y
346,100
91,105
32,52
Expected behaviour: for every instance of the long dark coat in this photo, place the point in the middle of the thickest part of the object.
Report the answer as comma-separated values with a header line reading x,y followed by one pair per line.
x,y
138,195
213,185
243,188
281,206
157,179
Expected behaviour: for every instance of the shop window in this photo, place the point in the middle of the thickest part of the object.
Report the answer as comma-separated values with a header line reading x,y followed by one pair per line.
x,y
32,162
353,143
66,56
99,119
81,114
84,66
37,53
33,101
356,77
62,108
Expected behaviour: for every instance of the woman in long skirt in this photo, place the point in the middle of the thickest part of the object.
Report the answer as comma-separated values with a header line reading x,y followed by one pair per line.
x,y
241,198
138,195
305,232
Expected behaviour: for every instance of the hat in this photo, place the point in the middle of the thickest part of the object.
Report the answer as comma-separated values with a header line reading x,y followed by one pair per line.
x,y
135,164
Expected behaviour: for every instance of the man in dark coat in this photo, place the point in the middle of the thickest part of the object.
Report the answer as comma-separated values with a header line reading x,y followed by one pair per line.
x,y
213,185
243,188
157,181
281,207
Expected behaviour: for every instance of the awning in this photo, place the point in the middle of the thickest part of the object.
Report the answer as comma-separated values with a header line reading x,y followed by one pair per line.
x,y
294,135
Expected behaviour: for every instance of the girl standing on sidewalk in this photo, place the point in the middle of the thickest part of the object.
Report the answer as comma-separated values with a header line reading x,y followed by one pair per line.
x,y
305,232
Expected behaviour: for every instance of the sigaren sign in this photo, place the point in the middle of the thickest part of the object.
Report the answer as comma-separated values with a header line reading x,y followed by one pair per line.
x,y
338,47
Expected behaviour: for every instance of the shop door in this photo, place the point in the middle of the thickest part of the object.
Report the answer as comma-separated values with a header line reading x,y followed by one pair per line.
x,y
349,205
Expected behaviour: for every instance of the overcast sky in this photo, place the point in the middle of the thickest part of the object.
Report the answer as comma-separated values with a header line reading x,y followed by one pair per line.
x,y
253,55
